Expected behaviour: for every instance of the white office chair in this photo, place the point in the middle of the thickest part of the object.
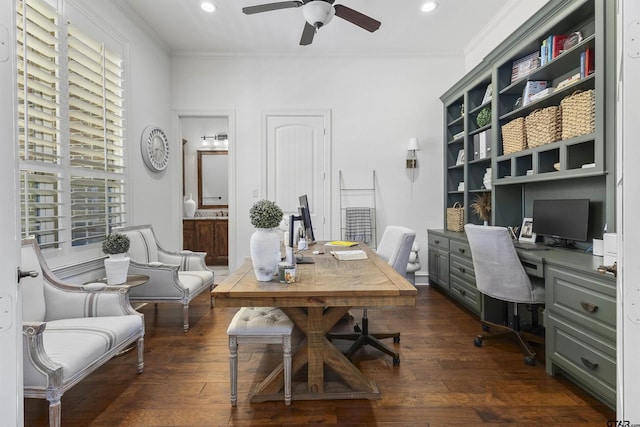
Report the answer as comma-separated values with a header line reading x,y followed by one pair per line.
x,y
395,247
500,275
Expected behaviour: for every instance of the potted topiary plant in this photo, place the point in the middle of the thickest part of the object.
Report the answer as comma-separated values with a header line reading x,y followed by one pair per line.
x,y
116,266
265,216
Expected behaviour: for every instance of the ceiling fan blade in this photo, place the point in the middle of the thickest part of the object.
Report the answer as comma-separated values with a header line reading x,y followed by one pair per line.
x,y
357,18
271,6
307,34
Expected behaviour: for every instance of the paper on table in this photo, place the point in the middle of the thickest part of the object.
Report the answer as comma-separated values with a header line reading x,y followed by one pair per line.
x,y
343,243
349,255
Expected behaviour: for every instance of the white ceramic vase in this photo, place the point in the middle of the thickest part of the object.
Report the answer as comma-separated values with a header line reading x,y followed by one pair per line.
x,y
189,206
265,253
116,268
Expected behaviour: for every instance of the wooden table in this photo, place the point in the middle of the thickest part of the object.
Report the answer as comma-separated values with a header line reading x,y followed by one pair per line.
x,y
322,294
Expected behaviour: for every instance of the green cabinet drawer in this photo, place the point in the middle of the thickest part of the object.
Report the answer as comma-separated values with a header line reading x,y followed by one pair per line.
x,y
589,301
462,267
439,242
587,358
466,293
460,249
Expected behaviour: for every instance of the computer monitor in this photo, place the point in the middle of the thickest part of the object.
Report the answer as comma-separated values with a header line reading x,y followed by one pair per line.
x,y
564,220
305,213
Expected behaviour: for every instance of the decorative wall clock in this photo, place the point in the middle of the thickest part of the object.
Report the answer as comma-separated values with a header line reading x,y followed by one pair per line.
x,y
155,148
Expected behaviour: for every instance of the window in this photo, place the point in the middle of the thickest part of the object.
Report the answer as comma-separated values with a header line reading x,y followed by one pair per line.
x,y
71,130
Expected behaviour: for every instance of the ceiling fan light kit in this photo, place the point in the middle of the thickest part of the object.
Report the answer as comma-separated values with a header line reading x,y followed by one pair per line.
x,y
318,13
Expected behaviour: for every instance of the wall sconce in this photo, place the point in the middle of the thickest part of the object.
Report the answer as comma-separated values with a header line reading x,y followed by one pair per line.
x,y
412,160
223,138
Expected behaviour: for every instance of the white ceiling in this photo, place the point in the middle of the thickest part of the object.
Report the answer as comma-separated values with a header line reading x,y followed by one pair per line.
x,y
182,27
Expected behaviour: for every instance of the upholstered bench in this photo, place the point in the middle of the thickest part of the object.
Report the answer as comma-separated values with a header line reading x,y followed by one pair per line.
x,y
260,325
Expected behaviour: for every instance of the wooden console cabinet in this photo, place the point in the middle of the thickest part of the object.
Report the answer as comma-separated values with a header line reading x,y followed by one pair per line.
x,y
207,235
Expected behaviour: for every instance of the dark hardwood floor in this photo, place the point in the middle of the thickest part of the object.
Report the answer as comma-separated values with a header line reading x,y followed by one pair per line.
x,y
443,378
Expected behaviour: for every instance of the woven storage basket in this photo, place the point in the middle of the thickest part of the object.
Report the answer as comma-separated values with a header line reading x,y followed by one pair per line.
x,y
578,114
455,217
543,126
514,138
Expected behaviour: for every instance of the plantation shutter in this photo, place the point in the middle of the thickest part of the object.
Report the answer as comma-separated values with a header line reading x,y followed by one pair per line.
x,y
71,130
38,53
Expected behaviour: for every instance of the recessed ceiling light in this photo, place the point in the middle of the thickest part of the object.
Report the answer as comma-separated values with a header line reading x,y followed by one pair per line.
x,y
429,6
207,6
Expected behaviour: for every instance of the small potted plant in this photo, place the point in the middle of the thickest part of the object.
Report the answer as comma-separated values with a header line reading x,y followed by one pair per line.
x,y
117,265
265,216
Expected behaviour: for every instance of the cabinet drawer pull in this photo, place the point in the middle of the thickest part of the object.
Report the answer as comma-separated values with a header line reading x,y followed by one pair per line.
x,y
588,363
462,269
436,242
462,292
461,250
591,308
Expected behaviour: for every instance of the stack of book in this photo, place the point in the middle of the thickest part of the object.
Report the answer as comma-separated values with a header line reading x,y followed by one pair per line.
x,y
524,66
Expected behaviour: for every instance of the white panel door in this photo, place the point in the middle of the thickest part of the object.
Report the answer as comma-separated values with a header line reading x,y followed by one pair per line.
x,y
628,205
297,164
11,396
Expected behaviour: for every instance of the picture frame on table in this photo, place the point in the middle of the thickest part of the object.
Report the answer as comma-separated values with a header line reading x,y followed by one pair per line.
x,y
526,231
460,159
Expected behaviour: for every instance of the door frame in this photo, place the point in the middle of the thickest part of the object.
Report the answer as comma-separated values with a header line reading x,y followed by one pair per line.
x,y
11,370
326,119
230,114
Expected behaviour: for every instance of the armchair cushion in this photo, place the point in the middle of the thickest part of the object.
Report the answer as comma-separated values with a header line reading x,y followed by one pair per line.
x,y
75,344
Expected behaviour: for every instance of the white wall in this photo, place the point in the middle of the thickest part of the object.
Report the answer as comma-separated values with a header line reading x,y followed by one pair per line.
x,y
376,105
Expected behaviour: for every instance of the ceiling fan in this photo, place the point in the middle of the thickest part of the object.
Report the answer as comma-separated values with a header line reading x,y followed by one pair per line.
x,y
318,13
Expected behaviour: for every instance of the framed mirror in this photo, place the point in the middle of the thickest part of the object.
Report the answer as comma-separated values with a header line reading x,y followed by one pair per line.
x,y
213,185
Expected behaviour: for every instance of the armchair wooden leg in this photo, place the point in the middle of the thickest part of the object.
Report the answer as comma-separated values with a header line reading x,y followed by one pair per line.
x,y
55,413
211,300
140,347
185,317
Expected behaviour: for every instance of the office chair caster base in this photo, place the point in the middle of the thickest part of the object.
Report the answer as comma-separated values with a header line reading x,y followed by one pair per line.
x,y
477,342
485,328
356,328
396,340
530,361
396,361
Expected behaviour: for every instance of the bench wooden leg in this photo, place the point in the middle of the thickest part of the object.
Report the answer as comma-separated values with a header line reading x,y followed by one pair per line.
x,y
233,365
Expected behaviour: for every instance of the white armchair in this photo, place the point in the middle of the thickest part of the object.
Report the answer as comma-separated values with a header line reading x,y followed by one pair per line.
x,y
68,331
174,277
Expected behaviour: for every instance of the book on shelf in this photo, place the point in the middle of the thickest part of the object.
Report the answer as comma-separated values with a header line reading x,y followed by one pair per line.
x,y
341,243
586,62
525,65
531,88
558,44
568,81
541,94
543,53
349,255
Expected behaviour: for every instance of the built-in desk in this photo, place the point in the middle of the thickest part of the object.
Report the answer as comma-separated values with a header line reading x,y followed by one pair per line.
x,y
580,306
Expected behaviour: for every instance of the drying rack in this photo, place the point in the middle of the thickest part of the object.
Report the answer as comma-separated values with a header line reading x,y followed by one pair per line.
x,y
359,198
